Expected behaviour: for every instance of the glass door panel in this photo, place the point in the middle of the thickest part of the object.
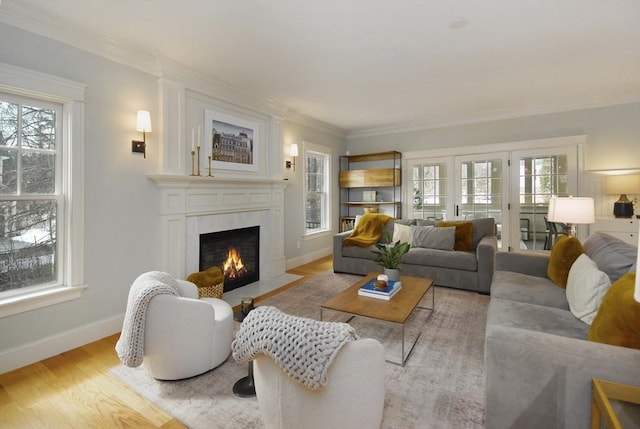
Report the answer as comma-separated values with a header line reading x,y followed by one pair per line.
x,y
481,182
540,174
430,189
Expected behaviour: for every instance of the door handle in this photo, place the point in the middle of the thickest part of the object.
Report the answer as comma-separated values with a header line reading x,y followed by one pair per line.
x,y
457,213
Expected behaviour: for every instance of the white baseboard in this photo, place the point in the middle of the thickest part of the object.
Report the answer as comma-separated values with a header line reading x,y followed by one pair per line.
x,y
309,257
38,350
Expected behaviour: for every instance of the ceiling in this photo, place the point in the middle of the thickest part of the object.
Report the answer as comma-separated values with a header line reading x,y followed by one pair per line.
x,y
374,66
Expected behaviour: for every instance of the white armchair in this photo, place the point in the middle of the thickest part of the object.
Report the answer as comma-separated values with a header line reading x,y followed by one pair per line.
x,y
352,398
186,336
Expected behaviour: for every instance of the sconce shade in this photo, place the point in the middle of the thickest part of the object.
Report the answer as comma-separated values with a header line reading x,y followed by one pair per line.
x,y
572,210
293,149
143,121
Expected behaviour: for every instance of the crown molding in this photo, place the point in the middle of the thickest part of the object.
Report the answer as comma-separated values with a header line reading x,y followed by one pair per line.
x,y
308,121
495,115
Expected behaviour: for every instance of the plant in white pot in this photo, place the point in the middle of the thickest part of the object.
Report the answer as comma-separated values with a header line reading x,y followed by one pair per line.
x,y
390,255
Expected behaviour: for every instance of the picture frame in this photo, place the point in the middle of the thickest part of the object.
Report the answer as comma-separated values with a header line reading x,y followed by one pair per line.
x,y
232,142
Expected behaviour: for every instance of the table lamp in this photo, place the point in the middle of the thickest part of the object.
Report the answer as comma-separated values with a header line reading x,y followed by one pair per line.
x,y
572,211
622,184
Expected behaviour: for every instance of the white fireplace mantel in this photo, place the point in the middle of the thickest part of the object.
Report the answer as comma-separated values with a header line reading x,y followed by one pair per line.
x,y
189,203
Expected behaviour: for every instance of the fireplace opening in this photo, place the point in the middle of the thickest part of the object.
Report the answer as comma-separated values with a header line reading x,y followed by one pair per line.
x,y
236,252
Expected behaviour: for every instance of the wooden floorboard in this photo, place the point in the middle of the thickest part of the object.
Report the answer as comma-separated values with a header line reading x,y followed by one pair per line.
x,y
75,389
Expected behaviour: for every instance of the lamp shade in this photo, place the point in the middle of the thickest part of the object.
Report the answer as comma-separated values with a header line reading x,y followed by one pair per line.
x,y
573,210
143,121
622,184
293,149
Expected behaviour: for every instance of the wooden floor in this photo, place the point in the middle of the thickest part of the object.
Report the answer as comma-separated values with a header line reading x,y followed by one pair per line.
x,y
75,390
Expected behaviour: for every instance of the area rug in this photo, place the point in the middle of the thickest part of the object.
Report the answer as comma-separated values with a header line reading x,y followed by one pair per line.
x,y
440,386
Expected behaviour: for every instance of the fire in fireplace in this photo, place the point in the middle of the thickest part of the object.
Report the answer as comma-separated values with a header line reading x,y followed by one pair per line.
x,y
236,252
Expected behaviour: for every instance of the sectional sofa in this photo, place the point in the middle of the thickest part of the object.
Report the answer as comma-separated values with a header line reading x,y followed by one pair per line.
x,y
469,270
539,364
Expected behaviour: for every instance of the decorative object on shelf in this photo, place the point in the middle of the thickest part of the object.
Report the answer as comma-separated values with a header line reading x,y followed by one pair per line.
x,y
143,124
293,153
572,211
622,184
209,158
370,209
195,145
389,255
369,196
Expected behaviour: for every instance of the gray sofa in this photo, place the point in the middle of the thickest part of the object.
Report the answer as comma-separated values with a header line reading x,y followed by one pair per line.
x,y
538,361
470,270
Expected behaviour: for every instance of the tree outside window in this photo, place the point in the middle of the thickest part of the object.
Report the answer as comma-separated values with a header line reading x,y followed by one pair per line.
x,y
316,173
29,198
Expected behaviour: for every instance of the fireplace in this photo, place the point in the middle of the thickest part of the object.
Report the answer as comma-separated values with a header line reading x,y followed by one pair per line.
x,y
236,252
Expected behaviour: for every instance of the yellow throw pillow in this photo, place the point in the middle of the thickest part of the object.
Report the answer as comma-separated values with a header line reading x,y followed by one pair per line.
x,y
464,234
617,321
563,254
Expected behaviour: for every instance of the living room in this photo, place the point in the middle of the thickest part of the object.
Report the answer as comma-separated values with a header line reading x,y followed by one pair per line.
x,y
122,225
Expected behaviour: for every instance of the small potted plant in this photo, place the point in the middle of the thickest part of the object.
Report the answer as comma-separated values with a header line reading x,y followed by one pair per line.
x,y
390,255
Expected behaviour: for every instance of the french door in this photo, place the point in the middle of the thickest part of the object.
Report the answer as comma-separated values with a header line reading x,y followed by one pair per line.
x,y
513,188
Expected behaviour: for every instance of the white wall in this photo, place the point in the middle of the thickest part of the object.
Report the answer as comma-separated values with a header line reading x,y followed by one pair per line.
x,y
121,203
315,247
613,135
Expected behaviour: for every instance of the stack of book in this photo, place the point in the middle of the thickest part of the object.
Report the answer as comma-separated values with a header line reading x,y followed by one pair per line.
x,y
370,290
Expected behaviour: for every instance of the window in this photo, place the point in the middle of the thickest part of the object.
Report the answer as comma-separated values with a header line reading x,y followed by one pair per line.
x,y
41,137
31,198
317,161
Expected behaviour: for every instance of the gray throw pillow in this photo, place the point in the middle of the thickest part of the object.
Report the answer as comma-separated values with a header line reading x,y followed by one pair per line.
x,y
433,237
611,255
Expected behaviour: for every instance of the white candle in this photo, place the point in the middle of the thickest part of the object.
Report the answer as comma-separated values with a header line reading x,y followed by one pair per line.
x,y
193,139
199,130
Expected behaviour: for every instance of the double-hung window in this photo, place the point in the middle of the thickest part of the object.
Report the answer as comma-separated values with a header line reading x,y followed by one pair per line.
x,y
41,169
317,162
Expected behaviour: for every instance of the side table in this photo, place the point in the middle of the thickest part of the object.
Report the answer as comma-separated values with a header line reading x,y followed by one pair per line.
x,y
602,392
244,387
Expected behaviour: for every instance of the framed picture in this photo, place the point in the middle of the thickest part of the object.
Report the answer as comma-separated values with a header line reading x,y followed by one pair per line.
x,y
231,142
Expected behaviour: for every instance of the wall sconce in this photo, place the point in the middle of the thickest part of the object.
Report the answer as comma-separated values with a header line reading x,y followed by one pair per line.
x,y
622,184
572,211
143,123
293,153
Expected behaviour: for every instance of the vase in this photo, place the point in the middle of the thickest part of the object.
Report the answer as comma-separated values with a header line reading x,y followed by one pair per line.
x,y
392,273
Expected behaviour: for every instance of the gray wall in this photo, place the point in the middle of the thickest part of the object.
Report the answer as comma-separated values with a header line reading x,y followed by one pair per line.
x,y
613,135
120,202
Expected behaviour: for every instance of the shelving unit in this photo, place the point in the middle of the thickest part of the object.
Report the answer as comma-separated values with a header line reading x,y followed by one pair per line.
x,y
379,173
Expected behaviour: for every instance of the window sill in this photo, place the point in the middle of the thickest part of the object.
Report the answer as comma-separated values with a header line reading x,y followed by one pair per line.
x,y
42,298
317,234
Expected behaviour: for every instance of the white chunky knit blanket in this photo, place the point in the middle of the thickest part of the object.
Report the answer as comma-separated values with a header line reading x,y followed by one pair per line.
x,y
130,345
303,348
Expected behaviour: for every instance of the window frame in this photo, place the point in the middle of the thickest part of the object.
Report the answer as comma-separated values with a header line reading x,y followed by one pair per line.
x,y
325,152
70,95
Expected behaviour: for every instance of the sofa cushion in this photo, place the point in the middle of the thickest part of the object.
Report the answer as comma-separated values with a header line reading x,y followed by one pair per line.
x,y
441,258
426,222
586,286
359,252
433,237
532,317
482,228
464,234
563,254
618,319
402,233
611,255
527,288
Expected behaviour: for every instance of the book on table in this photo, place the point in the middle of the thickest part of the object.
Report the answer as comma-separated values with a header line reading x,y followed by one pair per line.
x,y
369,290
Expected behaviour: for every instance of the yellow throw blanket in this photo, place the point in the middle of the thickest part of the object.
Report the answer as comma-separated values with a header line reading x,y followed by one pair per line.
x,y
368,231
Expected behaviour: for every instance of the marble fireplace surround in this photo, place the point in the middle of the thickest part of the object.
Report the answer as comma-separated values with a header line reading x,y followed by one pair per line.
x,y
194,205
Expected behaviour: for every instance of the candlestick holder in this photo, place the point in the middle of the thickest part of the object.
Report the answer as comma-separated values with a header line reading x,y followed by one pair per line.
x,y
209,175
193,162
198,147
